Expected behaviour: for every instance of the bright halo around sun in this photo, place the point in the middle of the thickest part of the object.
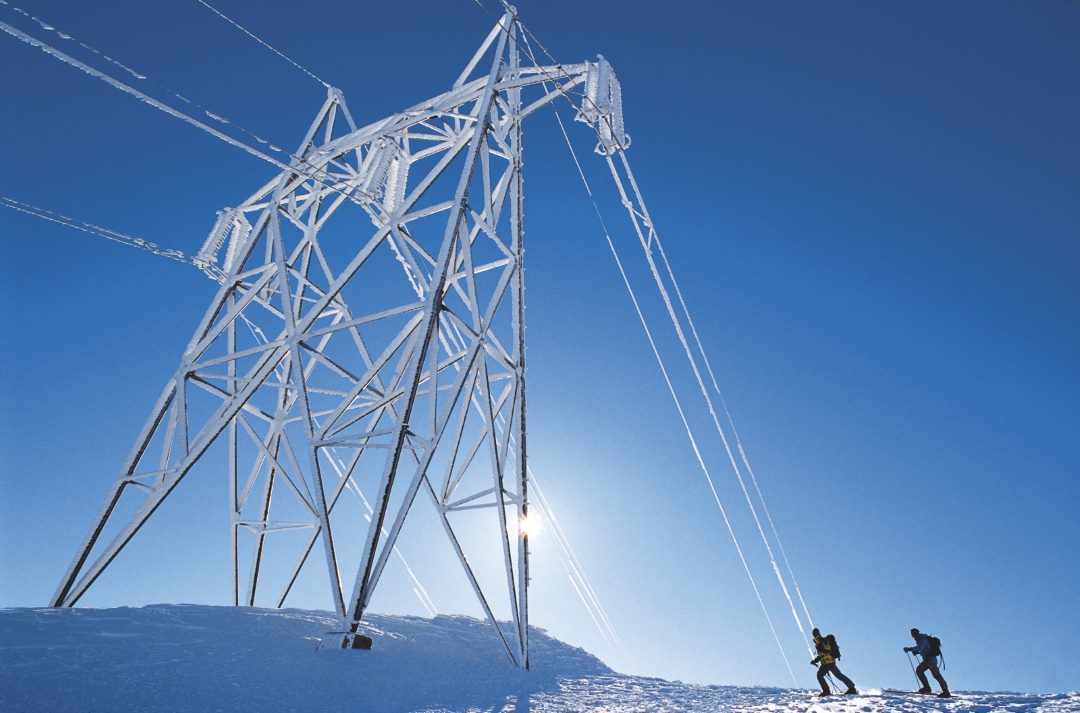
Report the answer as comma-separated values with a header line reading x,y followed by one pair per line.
x,y
528,525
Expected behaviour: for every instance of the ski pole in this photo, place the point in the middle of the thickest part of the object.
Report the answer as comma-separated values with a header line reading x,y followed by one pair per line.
x,y
831,680
912,664
827,676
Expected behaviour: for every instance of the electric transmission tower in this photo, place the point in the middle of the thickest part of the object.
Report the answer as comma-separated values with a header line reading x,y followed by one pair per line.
x,y
369,328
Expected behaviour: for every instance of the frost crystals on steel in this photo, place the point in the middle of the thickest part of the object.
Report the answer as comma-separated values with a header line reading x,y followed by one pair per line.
x,y
369,331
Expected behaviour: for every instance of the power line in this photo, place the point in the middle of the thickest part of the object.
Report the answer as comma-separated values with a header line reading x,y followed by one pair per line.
x,y
739,447
92,229
172,111
142,77
117,84
654,237
678,405
603,117
262,42
525,36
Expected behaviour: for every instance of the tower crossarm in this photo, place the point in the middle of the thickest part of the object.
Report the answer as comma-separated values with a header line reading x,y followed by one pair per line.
x,y
591,86
560,78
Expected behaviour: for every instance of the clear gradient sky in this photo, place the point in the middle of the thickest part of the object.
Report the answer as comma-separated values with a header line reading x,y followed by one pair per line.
x,y
874,209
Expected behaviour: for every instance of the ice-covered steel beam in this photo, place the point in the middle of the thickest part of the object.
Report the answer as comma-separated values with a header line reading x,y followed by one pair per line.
x,y
371,303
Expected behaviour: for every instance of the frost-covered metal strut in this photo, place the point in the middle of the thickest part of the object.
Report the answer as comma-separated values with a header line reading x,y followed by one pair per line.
x,y
369,330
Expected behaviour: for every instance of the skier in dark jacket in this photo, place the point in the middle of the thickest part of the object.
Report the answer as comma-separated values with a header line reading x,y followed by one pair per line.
x,y
929,653
827,655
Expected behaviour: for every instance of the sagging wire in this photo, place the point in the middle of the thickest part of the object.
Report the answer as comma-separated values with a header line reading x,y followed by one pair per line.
x,y
646,244
319,175
113,235
526,33
678,406
738,441
262,42
216,116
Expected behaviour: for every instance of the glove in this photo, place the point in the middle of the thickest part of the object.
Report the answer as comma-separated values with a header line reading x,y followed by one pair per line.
x,y
907,649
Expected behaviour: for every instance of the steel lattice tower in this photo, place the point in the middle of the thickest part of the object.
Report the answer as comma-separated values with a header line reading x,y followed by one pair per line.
x,y
369,325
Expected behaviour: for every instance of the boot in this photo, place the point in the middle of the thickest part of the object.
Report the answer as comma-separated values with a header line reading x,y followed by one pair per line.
x,y
944,694
924,689
850,692
824,693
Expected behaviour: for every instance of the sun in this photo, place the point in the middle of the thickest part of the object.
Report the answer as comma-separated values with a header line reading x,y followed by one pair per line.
x,y
529,525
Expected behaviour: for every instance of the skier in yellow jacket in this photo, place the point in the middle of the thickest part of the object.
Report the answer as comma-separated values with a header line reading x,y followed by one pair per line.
x,y
828,652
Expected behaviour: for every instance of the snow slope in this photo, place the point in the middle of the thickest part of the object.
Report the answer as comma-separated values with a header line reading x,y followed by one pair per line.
x,y
202,658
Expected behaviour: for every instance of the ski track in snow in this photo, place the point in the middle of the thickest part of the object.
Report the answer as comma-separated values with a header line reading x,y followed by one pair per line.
x,y
204,658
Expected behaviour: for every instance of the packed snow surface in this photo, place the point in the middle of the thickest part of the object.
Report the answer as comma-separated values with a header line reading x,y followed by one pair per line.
x,y
202,658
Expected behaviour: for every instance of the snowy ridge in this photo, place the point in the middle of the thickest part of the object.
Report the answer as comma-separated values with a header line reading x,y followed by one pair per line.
x,y
204,658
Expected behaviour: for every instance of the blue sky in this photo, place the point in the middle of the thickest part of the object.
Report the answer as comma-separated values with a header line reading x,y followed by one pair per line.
x,y
873,211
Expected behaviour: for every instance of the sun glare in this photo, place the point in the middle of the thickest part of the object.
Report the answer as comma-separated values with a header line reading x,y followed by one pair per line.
x,y
528,525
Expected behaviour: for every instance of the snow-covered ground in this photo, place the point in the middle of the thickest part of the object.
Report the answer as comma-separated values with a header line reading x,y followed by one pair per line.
x,y
202,658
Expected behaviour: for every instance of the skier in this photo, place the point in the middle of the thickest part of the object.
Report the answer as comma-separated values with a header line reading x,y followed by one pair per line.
x,y
828,653
929,648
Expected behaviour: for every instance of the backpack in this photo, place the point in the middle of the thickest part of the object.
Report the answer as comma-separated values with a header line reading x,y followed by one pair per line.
x,y
833,645
935,646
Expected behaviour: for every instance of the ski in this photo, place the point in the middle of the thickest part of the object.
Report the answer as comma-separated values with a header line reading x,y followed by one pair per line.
x,y
915,693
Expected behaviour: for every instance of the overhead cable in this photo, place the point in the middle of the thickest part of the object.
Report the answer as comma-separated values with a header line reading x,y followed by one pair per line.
x,y
92,229
264,43
318,175
780,579
735,433
646,244
142,77
525,37
116,83
678,407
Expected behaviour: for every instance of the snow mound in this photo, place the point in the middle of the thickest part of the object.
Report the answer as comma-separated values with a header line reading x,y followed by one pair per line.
x,y
202,658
